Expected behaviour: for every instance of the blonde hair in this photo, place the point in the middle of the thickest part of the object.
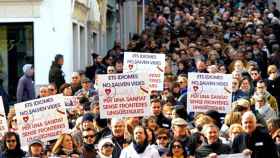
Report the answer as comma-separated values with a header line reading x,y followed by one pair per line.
x,y
233,118
234,126
202,120
271,68
58,145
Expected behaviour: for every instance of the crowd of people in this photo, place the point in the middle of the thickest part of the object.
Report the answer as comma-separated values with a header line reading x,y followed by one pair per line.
x,y
238,37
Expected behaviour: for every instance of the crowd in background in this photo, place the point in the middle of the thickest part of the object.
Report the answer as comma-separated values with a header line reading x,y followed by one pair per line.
x,y
238,37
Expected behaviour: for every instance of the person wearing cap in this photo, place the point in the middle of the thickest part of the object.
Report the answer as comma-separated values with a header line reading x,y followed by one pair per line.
x,y
139,147
86,90
213,145
87,123
180,131
36,149
25,87
105,148
56,75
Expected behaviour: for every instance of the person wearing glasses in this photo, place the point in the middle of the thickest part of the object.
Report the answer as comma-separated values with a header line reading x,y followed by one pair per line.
x,y
162,139
88,148
52,89
105,148
139,148
176,150
11,146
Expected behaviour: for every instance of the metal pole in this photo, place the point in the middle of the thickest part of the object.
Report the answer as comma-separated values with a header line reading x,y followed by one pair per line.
x,y
143,15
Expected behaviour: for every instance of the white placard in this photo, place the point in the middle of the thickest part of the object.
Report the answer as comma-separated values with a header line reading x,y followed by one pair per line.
x,y
123,95
71,102
44,119
209,92
239,155
3,120
151,63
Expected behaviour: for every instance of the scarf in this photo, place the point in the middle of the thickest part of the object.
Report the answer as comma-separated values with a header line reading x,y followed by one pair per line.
x,y
67,151
140,148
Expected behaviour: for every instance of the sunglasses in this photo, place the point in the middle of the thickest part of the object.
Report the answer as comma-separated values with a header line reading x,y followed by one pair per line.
x,y
177,146
162,138
11,141
108,145
51,89
89,136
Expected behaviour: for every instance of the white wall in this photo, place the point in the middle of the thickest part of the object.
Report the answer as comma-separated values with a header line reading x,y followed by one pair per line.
x,y
53,35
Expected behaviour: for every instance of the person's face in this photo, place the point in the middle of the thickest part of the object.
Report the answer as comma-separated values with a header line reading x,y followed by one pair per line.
x,y
162,140
156,108
255,75
14,123
30,72
261,88
11,143
88,137
200,65
139,135
67,91
234,133
260,103
118,129
76,79
238,66
87,124
235,85
110,70
180,131
181,66
245,86
67,142
107,149
95,109
86,85
212,135
36,150
182,82
273,74
119,67
223,70
52,90
61,61
249,124
177,149
44,92
152,124
99,59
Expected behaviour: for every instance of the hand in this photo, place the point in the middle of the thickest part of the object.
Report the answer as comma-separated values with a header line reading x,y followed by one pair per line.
x,y
247,152
212,155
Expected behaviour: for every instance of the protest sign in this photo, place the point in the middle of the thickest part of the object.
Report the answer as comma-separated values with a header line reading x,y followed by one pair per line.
x,y
71,102
44,119
239,155
153,64
3,120
123,95
209,92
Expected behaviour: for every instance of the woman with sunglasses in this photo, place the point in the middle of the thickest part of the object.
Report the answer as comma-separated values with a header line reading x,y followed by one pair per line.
x,y
11,146
176,150
105,148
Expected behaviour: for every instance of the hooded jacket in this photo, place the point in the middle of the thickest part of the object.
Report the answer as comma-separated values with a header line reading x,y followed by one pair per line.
x,y
56,75
25,88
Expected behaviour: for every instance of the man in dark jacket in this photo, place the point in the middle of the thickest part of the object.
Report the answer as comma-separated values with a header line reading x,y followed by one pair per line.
x,y
56,75
101,125
162,121
25,88
88,148
118,127
255,141
213,145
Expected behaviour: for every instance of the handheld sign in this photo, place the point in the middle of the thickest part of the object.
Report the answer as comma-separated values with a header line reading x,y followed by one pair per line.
x,y
123,95
209,92
3,120
44,119
71,102
239,155
150,63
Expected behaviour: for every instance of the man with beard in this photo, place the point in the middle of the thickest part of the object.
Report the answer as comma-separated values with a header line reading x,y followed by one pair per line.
x,y
139,148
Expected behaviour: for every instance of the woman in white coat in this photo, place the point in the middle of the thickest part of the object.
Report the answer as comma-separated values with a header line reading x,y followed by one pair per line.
x,y
139,147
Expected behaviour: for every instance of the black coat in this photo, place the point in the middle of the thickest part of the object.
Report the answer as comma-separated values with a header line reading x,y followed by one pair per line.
x,y
206,149
56,75
260,142
13,154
